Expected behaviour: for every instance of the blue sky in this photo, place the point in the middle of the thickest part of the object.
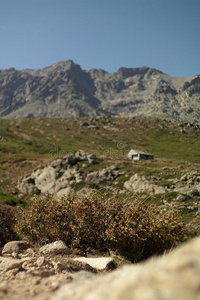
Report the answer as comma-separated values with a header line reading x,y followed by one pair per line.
x,y
102,34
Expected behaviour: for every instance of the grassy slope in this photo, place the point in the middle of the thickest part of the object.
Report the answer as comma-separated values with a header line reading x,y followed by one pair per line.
x,y
30,143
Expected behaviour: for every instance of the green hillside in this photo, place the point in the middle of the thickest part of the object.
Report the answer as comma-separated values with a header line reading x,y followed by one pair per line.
x,y
27,143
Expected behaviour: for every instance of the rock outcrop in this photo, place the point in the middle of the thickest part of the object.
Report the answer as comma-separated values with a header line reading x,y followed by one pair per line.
x,y
102,176
61,175
187,184
56,178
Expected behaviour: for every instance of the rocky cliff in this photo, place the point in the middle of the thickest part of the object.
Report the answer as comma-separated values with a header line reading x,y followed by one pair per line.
x,y
64,90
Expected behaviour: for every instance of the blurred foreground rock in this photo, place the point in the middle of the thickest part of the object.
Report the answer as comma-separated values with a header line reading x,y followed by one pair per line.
x,y
174,276
38,276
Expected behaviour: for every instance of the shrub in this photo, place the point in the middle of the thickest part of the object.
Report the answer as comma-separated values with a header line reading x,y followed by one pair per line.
x,y
7,224
95,222
46,220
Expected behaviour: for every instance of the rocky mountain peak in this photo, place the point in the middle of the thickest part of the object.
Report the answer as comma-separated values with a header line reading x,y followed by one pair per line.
x,y
64,90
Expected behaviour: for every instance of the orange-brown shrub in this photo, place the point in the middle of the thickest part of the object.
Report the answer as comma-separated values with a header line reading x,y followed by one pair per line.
x,y
95,222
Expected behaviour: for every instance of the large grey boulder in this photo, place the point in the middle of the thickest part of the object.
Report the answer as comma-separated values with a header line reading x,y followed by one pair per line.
x,y
102,176
173,276
188,183
27,186
68,178
58,177
140,184
45,179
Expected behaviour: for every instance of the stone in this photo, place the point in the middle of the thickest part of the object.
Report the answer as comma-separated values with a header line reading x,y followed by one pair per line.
x,y
72,265
140,184
27,186
181,197
172,276
85,124
69,159
7,264
64,192
99,263
42,261
81,155
55,248
45,179
65,181
91,158
102,176
188,183
85,192
3,139
41,272
15,247
57,163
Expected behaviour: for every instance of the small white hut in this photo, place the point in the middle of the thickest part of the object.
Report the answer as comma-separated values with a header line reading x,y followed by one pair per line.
x,y
139,155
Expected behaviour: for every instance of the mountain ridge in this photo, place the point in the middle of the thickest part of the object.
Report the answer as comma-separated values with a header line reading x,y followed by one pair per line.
x,y
65,89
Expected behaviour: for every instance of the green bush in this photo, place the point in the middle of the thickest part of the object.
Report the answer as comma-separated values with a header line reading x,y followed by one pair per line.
x,y
7,224
95,222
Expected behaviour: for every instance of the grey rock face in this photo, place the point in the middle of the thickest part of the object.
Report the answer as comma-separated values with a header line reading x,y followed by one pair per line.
x,y
64,90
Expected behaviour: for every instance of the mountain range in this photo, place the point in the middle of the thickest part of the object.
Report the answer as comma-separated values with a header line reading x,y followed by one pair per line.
x,y
65,89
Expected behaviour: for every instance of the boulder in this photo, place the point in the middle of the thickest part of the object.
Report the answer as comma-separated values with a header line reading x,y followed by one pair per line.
x,y
69,159
7,264
140,184
99,263
173,276
55,248
15,246
45,179
102,176
187,183
181,198
27,186
72,265
91,158
85,192
81,155
57,163
64,192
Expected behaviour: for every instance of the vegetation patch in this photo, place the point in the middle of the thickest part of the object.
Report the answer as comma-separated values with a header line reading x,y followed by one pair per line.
x,y
131,228
7,224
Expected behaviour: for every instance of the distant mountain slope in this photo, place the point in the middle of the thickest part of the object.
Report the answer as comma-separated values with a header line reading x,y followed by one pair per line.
x,y
64,90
